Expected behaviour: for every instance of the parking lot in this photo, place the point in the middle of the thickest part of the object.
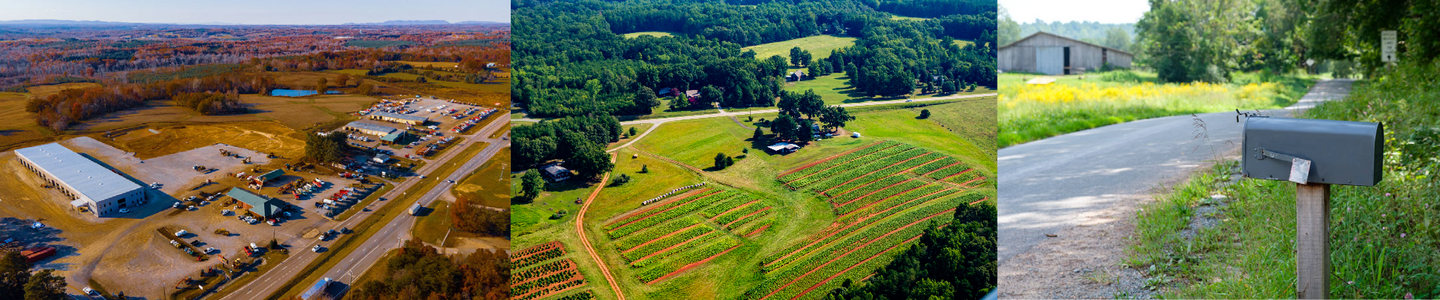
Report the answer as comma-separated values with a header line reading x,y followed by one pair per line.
x,y
446,120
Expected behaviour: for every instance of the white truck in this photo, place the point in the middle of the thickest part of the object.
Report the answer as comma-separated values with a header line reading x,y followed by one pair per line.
x,y
415,209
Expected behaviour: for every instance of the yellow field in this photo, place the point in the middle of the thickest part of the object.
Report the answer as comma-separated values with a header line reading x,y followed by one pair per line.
x,y
647,33
47,90
819,46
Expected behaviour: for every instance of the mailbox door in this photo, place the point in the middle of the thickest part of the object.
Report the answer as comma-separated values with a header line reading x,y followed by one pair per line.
x,y
1341,152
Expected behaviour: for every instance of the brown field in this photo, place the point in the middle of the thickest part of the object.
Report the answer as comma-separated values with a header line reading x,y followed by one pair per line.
x,y
17,126
266,137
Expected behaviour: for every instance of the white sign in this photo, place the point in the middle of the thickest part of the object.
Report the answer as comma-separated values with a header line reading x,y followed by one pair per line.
x,y
1299,170
1387,46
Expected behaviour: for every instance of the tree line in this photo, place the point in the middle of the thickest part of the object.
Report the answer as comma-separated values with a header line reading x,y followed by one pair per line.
x,y
579,141
469,217
418,271
17,281
67,107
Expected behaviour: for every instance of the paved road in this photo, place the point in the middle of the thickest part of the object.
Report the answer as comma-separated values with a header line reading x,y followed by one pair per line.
x,y
1053,184
385,239
722,113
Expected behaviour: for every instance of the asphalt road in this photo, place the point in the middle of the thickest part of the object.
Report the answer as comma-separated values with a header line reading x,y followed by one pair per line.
x,y
1053,184
386,238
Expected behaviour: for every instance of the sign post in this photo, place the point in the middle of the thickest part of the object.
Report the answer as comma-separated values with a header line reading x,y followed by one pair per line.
x,y
1314,154
1387,46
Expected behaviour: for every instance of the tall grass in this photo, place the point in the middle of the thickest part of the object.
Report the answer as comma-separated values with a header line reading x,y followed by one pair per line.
x,y
1030,112
1384,240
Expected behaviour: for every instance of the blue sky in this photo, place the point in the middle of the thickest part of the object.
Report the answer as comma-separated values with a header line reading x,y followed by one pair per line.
x,y
1103,11
306,12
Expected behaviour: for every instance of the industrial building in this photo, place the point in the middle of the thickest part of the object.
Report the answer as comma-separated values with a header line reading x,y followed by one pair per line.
x,y
1052,54
265,207
371,128
89,184
398,118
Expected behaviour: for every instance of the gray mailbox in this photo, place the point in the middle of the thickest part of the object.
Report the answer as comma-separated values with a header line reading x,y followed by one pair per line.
x,y
1338,152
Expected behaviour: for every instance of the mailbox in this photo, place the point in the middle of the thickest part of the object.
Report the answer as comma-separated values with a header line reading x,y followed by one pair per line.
x,y
1338,152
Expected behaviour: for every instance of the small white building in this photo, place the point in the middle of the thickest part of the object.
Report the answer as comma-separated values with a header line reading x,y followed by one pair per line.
x,y
87,183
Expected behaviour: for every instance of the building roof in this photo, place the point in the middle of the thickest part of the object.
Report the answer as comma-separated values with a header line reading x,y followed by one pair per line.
x,y
392,137
372,127
1038,33
263,206
556,170
85,176
400,116
271,175
782,146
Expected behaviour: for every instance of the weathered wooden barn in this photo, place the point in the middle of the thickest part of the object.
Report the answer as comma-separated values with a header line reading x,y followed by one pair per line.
x,y
1052,54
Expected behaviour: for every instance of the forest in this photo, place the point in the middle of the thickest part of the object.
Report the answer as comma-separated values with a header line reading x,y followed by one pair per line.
x,y
574,60
419,271
578,140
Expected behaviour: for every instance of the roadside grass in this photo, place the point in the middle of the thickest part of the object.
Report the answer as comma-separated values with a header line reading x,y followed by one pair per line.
x,y
1382,239
491,190
1078,102
432,227
658,34
626,137
818,45
972,119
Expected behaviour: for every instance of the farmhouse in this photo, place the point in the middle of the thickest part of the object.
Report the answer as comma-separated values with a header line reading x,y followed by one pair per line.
x,y
783,148
796,76
370,128
265,207
87,183
555,172
1057,55
398,118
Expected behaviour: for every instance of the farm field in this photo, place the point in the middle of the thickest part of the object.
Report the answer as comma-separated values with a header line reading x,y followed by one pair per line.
x,y
819,46
657,34
848,205
1078,102
543,271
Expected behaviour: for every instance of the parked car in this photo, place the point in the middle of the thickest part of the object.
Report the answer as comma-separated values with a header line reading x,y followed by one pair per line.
x,y
316,249
90,291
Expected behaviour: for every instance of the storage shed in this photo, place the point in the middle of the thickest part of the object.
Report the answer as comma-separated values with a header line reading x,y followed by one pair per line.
x,y
1052,54
264,206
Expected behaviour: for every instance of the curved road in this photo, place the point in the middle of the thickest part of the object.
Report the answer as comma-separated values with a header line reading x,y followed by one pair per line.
x,y
389,236
590,250
1058,183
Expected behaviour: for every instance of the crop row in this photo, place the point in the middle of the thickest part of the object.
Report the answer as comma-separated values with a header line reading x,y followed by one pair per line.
x,y
855,273
843,258
553,278
666,242
920,195
746,219
661,217
862,170
535,249
734,215
891,171
545,291
865,233
584,295
944,162
538,257
649,210
745,227
690,256
654,232
717,209
548,268
849,201
878,156
946,172
838,161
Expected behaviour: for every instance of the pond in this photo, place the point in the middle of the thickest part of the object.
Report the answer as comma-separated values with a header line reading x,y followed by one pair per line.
x,y
297,93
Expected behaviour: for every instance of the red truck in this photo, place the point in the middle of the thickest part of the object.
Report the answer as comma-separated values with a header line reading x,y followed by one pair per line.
x,y
33,255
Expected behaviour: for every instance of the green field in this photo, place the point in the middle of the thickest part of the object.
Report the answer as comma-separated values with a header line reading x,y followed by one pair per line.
x,y
835,89
819,46
658,34
632,239
1077,102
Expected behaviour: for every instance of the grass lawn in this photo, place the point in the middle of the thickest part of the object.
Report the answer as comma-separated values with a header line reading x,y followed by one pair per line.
x,y
435,225
1078,102
490,189
835,89
658,34
819,46
899,17
639,129
972,119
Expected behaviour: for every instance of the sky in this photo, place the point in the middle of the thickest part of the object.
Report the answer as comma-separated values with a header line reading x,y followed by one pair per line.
x,y
256,12
1103,11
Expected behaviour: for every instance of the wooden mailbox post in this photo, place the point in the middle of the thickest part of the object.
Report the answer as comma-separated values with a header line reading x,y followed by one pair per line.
x,y
1314,154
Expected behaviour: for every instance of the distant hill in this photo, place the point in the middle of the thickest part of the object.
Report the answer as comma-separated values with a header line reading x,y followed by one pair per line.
x,y
425,22
52,22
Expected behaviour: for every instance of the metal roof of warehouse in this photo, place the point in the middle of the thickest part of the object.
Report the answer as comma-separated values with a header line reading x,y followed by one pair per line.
x,y
374,127
80,173
399,116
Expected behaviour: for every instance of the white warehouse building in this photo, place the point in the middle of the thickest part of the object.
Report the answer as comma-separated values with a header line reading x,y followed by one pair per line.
x,y
87,183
